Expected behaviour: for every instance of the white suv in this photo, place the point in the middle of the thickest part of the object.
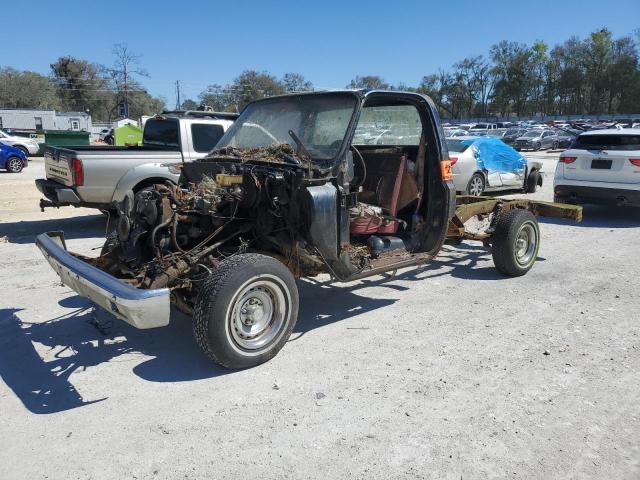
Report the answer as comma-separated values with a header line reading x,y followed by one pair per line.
x,y
602,166
28,145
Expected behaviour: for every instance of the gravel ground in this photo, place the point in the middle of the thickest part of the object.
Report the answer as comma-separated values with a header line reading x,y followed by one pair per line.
x,y
447,371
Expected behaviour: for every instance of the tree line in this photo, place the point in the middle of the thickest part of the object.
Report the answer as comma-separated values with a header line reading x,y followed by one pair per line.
x,y
598,74
82,86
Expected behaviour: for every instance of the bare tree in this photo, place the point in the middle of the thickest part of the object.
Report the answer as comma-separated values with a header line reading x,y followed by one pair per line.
x,y
126,69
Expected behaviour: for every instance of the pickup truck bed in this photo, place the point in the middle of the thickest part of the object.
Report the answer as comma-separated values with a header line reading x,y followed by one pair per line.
x,y
98,176
94,181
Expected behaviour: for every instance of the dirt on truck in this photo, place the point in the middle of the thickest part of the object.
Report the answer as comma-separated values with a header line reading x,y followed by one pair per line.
x,y
287,193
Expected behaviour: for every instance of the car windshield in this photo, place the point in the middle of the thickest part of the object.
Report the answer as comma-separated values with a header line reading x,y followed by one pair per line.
x,y
457,146
532,134
513,131
319,121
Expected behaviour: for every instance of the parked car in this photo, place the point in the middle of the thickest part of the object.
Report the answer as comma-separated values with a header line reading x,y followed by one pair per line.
x,y
483,126
536,139
511,134
104,132
29,146
287,194
602,166
12,159
99,176
566,136
484,164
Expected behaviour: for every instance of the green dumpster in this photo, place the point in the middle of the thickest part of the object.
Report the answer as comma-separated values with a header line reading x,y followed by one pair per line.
x,y
127,135
64,138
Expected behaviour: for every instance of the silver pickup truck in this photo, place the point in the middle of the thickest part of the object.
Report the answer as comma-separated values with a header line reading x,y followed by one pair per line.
x,y
99,177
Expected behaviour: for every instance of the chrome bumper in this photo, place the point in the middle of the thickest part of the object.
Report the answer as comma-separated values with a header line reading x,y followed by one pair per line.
x,y
140,308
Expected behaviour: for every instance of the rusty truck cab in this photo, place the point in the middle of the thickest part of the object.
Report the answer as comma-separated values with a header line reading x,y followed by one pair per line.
x,y
393,196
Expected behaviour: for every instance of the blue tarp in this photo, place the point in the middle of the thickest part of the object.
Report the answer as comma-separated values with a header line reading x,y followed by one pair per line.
x,y
495,156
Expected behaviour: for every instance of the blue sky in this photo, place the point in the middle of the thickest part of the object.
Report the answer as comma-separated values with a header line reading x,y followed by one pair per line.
x,y
329,42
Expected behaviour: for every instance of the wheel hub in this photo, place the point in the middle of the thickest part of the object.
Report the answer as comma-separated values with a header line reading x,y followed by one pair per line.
x,y
14,164
258,314
526,242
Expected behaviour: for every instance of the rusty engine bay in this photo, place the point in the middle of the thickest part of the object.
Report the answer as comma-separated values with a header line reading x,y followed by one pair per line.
x,y
254,200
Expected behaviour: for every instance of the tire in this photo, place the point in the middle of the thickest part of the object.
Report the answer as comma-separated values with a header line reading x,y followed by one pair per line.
x,y
532,182
14,165
537,147
223,327
515,242
554,146
476,185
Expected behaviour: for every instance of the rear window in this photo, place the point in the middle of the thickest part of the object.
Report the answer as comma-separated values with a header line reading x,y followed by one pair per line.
x,y
459,146
162,133
607,142
205,136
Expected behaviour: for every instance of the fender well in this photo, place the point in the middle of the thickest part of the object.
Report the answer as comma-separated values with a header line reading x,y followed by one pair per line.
x,y
140,177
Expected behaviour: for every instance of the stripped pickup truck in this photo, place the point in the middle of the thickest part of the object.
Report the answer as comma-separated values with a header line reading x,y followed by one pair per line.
x,y
288,193
101,176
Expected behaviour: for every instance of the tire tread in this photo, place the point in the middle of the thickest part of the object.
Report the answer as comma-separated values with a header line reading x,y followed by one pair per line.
x,y
507,226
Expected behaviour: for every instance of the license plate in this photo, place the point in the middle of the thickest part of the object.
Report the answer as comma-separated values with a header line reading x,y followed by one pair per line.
x,y
600,164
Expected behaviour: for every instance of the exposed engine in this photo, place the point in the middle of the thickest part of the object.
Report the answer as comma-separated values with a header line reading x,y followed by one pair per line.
x,y
174,236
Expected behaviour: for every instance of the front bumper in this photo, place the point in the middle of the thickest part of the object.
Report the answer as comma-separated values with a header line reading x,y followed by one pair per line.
x,y
33,149
140,308
598,195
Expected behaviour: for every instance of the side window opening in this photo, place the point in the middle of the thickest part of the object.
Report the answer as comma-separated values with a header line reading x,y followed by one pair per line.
x,y
205,136
388,139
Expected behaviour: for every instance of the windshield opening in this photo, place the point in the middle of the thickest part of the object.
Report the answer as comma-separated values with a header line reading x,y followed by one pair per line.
x,y
320,122
532,134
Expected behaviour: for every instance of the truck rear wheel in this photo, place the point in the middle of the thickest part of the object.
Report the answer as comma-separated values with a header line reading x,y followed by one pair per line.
x,y
515,242
246,311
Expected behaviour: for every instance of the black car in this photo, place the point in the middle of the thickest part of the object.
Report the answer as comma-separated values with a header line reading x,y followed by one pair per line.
x,y
511,134
566,136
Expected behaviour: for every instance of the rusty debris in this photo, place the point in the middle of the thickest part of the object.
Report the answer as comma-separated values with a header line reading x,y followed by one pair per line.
x,y
276,153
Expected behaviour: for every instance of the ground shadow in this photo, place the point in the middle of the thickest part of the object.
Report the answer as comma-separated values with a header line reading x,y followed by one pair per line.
x,y
85,226
86,338
601,216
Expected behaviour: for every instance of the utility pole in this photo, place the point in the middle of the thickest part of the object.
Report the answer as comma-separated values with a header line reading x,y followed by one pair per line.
x,y
126,96
178,103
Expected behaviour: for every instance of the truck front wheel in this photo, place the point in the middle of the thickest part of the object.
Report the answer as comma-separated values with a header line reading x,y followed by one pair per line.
x,y
246,310
515,242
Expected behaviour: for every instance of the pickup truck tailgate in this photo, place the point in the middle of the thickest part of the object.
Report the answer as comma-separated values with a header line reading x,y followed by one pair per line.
x,y
56,166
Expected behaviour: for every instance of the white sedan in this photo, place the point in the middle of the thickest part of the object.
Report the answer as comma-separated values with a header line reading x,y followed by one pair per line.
x,y
28,145
483,164
602,166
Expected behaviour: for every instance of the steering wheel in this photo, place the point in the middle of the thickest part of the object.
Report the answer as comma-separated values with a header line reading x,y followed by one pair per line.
x,y
359,179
